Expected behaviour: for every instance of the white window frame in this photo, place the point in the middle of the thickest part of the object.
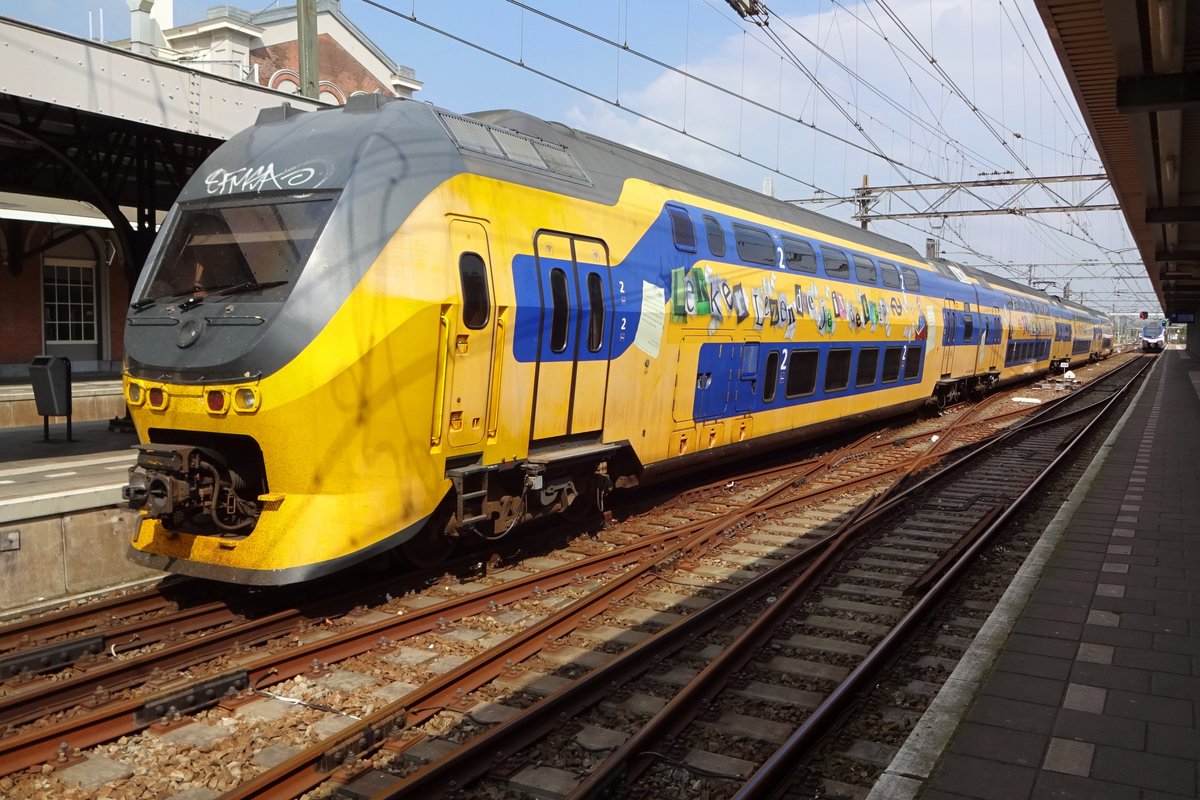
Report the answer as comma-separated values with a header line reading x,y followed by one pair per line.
x,y
96,310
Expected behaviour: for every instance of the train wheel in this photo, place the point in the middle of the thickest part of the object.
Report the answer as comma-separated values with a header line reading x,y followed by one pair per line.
x,y
429,548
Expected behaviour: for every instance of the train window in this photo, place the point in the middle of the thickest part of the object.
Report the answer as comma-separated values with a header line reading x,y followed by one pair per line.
x,y
836,263
476,309
837,370
245,246
716,237
912,364
891,275
771,376
912,281
868,361
754,245
681,229
891,364
968,328
798,255
596,312
561,311
864,270
801,373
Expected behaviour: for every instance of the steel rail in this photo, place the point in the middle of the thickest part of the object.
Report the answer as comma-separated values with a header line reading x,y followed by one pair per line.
x,y
780,763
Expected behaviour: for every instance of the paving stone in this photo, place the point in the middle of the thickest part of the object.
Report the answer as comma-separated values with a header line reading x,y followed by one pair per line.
x,y
1002,744
1069,756
597,739
1098,617
95,771
343,680
1025,687
1033,664
194,736
1061,786
1100,729
1095,653
1134,705
1147,770
982,778
720,765
275,754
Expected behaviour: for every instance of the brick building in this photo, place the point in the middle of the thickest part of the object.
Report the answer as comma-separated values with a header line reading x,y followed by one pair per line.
x,y
63,289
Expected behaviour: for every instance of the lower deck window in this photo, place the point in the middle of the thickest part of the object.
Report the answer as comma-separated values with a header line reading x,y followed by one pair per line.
x,y
868,362
771,377
912,364
891,364
837,370
801,373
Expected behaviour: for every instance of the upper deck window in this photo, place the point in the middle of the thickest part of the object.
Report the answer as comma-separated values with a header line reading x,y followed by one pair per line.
x,y
891,276
682,230
754,245
864,270
715,235
798,255
912,281
836,263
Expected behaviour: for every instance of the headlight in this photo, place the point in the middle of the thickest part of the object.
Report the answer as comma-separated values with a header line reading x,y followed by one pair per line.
x,y
134,395
245,400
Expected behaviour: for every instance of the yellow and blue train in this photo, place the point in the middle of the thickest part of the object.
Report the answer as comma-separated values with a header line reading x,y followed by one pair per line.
x,y
385,325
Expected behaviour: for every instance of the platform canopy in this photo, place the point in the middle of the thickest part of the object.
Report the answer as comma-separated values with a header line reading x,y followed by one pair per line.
x,y
1134,66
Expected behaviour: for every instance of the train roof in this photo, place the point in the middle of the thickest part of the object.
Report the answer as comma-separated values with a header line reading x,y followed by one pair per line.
x,y
505,144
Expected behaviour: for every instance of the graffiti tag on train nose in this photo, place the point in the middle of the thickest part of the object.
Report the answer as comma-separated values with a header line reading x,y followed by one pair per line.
x,y
264,177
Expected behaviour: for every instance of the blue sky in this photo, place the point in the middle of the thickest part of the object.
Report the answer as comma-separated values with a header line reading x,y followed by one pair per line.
x,y
997,53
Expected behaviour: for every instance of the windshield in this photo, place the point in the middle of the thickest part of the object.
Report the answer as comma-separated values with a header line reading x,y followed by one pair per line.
x,y
1152,331
244,246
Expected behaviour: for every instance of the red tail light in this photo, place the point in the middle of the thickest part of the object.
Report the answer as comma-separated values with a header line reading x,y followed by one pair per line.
x,y
216,400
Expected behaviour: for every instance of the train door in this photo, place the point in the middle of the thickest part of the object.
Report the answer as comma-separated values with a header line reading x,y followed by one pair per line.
x,y
993,334
949,333
468,337
574,337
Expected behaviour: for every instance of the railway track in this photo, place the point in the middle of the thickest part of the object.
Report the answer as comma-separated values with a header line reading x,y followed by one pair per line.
x,y
516,631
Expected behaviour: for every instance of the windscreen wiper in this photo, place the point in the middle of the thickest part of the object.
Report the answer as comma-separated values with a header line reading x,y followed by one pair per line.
x,y
249,286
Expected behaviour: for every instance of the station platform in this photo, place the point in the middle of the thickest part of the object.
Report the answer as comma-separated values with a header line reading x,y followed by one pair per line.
x,y
92,398
1085,682
63,525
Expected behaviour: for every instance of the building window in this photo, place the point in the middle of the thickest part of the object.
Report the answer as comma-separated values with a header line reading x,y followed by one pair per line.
x,y
69,304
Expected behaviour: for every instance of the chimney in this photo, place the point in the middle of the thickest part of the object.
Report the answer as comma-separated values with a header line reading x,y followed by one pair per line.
x,y
144,31
932,250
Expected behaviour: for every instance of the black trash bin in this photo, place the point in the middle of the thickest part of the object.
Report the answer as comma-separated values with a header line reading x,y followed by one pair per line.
x,y
51,378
